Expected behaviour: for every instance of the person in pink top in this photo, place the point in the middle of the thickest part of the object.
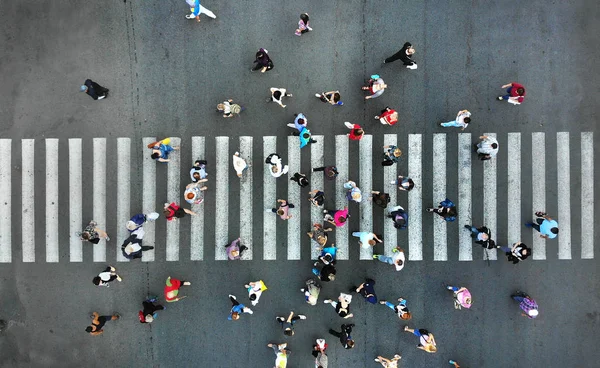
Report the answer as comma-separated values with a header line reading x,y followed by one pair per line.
x,y
337,217
515,93
462,297
283,209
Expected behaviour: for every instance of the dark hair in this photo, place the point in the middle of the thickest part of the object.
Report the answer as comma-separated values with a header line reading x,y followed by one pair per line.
x,y
96,280
350,343
155,155
277,95
400,262
411,184
252,297
342,219
305,135
336,97
494,145
196,174
179,213
88,329
85,235
451,211
467,120
554,230
304,17
520,91
301,121
288,332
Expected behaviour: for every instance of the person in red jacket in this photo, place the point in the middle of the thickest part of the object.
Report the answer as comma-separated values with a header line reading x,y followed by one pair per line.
x,y
515,93
356,131
388,116
172,289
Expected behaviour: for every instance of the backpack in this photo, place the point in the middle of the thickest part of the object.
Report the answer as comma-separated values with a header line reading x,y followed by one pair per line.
x,y
141,317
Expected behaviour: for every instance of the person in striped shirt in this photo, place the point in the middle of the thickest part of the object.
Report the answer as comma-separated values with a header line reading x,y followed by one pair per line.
x,y
527,304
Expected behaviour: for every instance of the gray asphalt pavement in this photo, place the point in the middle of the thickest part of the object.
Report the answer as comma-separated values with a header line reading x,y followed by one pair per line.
x,y
166,75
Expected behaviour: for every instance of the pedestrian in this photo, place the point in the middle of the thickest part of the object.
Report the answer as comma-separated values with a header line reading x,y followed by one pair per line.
x,y
391,155
328,254
324,270
303,25
287,325
342,306
283,209
305,137
281,353
237,309
463,118
344,335
132,247
172,287
545,225
148,313
379,198
426,339
482,236
331,172
387,116
353,194
397,259
92,233
235,249
367,290
263,61
336,217
198,171
319,234
517,253
277,167
136,222
399,217
376,86
300,122
94,90
356,132
311,291
108,275
486,148
277,94
229,109
527,304
255,290
198,9
404,183
405,54
161,150
515,94
172,211
194,192
388,363
446,209
331,97
462,297
239,164
317,198
401,309
318,352
367,239
99,321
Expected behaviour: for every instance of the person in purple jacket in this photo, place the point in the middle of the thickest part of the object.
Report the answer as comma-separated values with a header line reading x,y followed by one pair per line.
x,y
527,304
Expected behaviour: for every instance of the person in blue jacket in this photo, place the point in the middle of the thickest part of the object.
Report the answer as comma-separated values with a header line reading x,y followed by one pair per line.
x,y
237,309
446,209
198,9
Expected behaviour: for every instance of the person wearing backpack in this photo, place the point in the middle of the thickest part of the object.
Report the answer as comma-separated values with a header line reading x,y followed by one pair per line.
x,y
172,211
263,61
446,209
132,247
148,314
399,217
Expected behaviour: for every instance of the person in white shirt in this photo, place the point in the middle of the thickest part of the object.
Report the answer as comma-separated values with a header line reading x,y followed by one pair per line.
x,y
277,167
487,147
463,118
397,259
277,94
239,164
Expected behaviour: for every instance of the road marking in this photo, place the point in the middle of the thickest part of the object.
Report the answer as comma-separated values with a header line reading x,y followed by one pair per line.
x,y
222,197
440,238
51,199
316,182
123,193
197,222
538,190
587,195
75,200
149,198
465,243
563,172
365,147
28,200
415,198
269,201
490,193
5,203
341,162
246,210
293,237
173,195
514,189
390,173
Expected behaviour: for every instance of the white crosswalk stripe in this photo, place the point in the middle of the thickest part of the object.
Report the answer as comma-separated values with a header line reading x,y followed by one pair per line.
x,y
290,242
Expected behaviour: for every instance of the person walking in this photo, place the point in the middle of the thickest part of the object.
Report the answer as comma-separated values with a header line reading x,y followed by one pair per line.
x,y
518,252
305,137
303,25
172,211
283,209
367,239
399,217
366,290
317,198
397,259
319,234
300,122
311,291
379,198
356,132
401,309
239,164
277,167
237,309
324,269
98,322
342,306
515,93
387,116
92,233
198,9
391,155
446,209
277,94
262,62
137,221
336,217
376,86
132,247
172,287
94,90
331,172
194,192
161,150
108,275
148,313
235,249
388,363
462,297
255,290
527,304
487,148
545,225
426,339
281,354
318,352
230,109
405,54
198,171
463,118
331,97
482,236
404,183
353,194
344,335
287,324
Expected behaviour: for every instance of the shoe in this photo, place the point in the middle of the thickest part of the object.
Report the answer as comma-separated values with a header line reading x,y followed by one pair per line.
x,y
429,209
187,283
289,95
382,301
376,256
112,268
468,227
384,61
119,279
268,100
451,361
317,95
231,296
151,248
302,290
246,286
291,125
302,316
189,16
529,224
324,211
499,98
449,287
377,360
405,328
376,117
107,238
327,301
400,299
395,250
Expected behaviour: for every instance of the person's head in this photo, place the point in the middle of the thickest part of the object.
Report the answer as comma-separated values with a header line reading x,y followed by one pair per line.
x,y
350,343
331,173
397,152
96,280
304,17
149,318
235,316
467,120
280,212
359,132
301,121
342,219
167,213
533,313
452,211
356,196
179,213
468,300
83,88
336,97
394,116
371,242
155,155
196,176
410,50
277,95
235,252
89,329
384,86
190,196
494,145
220,107
399,262
525,251
288,332
274,169
406,316
520,91
252,297
554,230
331,276
322,240
86,236
430,348
305,135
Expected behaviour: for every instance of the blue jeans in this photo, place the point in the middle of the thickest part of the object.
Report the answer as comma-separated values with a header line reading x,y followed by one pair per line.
x,y
474,231
386,259
165,150
505,97
390,305
453,123
505,249
454,288
518,298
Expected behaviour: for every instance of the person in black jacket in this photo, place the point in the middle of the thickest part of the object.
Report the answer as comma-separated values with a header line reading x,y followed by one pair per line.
x,y
148,314
482,236
405,55
132,247
94,90
517,253
345,337
263,61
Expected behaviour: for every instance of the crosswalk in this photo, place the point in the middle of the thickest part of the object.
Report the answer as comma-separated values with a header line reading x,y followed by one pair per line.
x,y
449,172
